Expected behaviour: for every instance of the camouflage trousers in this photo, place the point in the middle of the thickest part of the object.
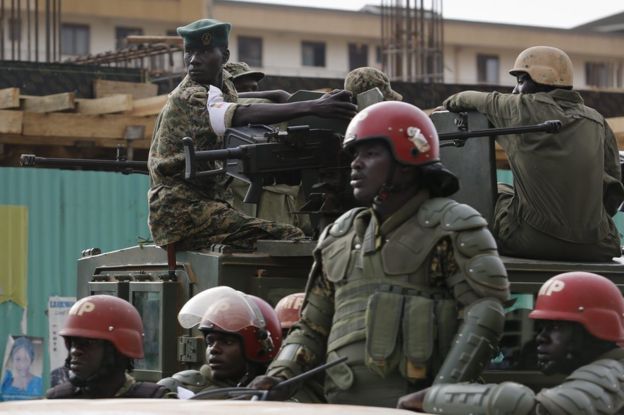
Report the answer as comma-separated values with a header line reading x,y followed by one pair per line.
x,y
222,224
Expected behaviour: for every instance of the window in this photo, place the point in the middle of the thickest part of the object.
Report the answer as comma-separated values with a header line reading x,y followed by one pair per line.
x,y
378,55
358,56
488,69
250,50
313,53
74,39
15,29
602,75
121,33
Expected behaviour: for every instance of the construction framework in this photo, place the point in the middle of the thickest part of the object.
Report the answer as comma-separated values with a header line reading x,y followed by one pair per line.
x,y
22,20
412,36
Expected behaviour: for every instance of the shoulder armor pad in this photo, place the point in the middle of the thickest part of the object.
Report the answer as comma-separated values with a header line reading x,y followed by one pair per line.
x,y
190,378
606,373
462,217
431,212
342,225
572,398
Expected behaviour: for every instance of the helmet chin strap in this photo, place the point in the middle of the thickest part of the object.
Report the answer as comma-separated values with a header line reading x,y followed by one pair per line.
x,y
389,187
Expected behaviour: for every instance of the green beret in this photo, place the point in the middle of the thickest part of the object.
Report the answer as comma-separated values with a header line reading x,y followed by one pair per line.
x,y
205,32
241,70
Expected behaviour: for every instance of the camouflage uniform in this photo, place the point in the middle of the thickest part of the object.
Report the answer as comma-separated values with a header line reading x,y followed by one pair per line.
x,y
387,296
195,214
241,69
362,79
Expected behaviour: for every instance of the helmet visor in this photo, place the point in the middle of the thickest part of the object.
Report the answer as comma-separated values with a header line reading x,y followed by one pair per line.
x,y
223,307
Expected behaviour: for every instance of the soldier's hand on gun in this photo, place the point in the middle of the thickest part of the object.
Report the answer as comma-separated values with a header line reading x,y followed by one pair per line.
x,y
413,401
335,104
268,383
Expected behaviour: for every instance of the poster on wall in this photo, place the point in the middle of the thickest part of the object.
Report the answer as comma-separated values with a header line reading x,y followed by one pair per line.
x,y
22,368
58,309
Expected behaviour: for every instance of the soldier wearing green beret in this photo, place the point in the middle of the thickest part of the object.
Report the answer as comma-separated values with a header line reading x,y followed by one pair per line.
x,y
194,214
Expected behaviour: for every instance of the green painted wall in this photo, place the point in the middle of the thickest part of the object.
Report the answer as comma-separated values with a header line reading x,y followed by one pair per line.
x,y
68,211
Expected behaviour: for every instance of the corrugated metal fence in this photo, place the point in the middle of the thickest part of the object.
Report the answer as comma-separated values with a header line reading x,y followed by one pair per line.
x,y
68,211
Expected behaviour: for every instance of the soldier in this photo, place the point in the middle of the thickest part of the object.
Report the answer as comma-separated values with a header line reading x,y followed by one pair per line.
x,y
103,334
362,79
389,281
194,214
244,79
242,335
582,319
288,311
246,83
557,209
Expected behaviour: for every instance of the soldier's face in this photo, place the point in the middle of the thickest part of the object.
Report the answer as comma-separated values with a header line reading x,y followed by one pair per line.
x,y
204,64
225,356
369,170
85,357
246,84
524,85
554,345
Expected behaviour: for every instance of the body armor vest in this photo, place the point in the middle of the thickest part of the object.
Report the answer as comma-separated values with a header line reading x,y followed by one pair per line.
x,y
391,316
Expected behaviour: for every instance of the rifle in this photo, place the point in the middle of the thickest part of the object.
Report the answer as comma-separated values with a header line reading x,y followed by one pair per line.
x,y
261,155
120,164
458,138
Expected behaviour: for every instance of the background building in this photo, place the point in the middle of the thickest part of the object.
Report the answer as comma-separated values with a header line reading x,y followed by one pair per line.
x,y
307,42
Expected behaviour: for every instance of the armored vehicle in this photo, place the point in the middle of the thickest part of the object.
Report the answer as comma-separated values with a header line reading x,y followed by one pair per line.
x,y
158,282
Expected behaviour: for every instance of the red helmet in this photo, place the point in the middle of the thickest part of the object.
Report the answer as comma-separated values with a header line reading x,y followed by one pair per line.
x,y
288,309
408,131
589,299
227,310
107,318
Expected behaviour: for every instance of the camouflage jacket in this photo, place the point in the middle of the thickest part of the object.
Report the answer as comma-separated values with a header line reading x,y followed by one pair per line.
x,y
174,203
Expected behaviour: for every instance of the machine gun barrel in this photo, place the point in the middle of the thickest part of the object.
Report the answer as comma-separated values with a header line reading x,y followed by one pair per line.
x,y
551,126
191,157
123,166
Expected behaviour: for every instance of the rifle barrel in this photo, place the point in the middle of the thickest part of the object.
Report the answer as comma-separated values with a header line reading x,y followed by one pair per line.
x,y
30,160
551,126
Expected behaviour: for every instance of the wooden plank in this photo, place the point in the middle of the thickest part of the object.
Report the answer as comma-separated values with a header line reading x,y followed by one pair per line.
x,y
9,98
616,124
11,122
83,125
17,139
104,88
148,106
48,103
105,105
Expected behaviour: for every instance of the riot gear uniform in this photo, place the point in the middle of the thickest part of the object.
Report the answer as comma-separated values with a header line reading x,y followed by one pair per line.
x,y
114,320
389,295
225,310
598,387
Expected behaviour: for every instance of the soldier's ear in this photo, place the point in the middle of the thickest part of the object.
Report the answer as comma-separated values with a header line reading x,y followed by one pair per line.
x,y
226,55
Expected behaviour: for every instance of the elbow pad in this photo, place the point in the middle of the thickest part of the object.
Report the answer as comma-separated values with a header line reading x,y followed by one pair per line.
x,y
508,398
